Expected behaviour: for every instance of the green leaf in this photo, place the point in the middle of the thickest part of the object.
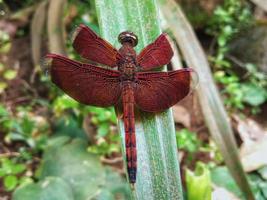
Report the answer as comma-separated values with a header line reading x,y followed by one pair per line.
x,y
103,130
27,126
3,111
263,172
64,102
18,168
1,67
212,107
5,47
104,195
57,141
263,186
157,164
10,182
80,169
3,86
51,188
221,177
258,186
198,183
2,172
10,74
4,36
115,186
6,166
253,94
222,41
187,140
25,180
104,115
69,127
69,160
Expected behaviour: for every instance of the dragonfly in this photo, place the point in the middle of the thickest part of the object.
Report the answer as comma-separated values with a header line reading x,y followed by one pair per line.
x,y
125,79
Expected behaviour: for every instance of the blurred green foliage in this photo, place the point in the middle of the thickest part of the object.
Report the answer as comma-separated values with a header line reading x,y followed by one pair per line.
x,y
103,119
50,188
228,20
5,74
25,127
13,173
5,42
187,140
222,178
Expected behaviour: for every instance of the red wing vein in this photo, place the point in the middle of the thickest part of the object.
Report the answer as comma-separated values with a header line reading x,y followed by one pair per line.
x,y
155,54
102,50
157,91
85,83
90,46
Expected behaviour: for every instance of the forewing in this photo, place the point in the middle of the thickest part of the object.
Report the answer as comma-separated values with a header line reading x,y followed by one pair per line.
x,y
90,46
85,83
157,91
155,54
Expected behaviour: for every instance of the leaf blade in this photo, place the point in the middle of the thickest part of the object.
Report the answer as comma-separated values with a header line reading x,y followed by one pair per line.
x,y
158,168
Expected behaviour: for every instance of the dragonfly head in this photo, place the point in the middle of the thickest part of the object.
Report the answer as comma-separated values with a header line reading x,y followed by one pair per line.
x,y
128,37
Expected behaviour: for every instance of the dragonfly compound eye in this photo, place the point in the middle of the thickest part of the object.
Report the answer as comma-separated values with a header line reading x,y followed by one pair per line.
x,y
128,36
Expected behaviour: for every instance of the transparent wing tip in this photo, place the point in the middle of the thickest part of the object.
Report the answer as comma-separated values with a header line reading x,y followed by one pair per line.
x,y
194,78
75,32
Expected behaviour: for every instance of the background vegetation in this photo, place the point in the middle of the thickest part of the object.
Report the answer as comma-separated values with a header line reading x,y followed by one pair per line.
x,y
52,147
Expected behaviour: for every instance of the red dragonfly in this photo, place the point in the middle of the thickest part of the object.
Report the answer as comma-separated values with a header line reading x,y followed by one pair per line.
x,y
130,84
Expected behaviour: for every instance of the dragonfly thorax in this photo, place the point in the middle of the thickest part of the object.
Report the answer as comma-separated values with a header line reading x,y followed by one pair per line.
x,y
128,68
127,64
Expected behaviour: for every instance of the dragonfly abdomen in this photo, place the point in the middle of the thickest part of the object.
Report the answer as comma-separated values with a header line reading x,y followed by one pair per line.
x,y
129,126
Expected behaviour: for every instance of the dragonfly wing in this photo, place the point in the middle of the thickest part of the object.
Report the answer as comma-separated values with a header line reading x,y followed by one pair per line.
x,y
85,83
90,46
155,54
157,91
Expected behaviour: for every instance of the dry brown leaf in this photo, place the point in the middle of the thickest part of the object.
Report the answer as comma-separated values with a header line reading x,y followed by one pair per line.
x,y
37,28
181,115
249,130
253,154
261,3
254,148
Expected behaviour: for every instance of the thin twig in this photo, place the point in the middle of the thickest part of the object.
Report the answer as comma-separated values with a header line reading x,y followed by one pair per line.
x,y
9,154
236,61
111,161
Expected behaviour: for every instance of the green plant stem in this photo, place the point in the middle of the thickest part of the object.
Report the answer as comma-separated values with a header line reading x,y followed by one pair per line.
x,y
158,174
37,27
55,26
